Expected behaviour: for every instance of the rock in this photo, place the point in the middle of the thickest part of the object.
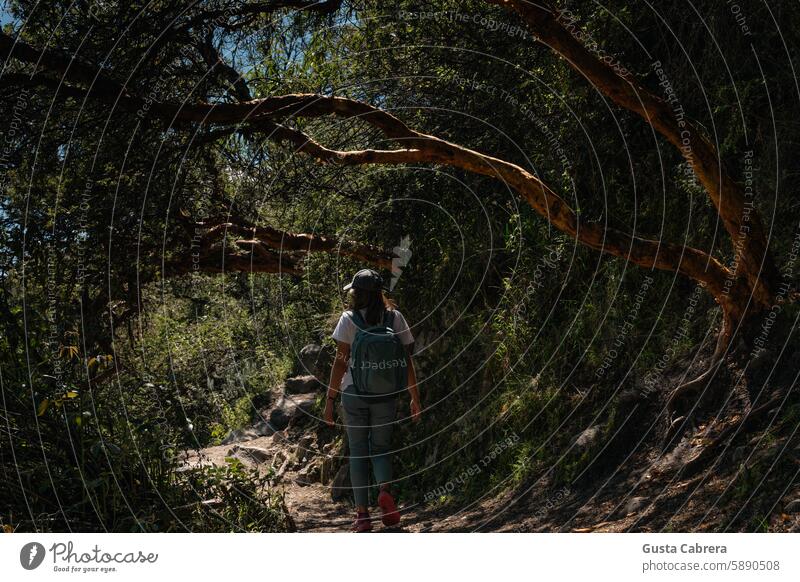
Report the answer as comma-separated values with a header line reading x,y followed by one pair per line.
x,y
792,507
588,437
284,467
240,435
325,470
290,408
315,360
634,505
340,487
262,400
263,428
249,453
194,465
308,475
303,448
302,385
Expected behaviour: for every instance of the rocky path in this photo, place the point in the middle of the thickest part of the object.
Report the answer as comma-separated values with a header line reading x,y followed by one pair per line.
x,y
309,463
310,501
305,456
317,499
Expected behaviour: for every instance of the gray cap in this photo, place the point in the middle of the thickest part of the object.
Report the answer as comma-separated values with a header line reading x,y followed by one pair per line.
x,y
367,279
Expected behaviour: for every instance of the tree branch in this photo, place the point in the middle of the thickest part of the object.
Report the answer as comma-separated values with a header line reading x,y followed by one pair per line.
x,y
279,241
738,216
236,82
422,148
688,261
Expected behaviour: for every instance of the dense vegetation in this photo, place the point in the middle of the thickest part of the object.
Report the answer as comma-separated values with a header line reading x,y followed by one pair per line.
x,y
132,328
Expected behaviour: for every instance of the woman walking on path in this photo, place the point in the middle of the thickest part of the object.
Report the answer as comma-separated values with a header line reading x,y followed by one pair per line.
x,y
370,377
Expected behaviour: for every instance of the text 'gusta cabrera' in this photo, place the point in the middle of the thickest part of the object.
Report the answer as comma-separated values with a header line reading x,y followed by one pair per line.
x,y
684,549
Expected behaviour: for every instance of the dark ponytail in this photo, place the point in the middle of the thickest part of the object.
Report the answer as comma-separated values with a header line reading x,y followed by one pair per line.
x,y
374,301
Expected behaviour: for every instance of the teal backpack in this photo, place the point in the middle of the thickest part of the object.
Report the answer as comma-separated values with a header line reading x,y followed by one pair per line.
x,y
378,359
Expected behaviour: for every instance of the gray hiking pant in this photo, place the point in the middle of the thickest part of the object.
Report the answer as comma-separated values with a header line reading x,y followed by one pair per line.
x,y
369,433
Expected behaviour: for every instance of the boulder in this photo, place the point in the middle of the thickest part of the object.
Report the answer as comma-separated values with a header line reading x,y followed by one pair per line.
x,y
588,437
263,428
259,429
308,475
634,505
290,409
315,360
250,453
240,435
302,385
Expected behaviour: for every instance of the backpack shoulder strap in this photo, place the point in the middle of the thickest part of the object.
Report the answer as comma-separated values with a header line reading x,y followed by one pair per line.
x,y
388,318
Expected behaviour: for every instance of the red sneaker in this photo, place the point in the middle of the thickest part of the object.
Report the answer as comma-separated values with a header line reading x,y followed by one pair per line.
x,y
362,524
388,507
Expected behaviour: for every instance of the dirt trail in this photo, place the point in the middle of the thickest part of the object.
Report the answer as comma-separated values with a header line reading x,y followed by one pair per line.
x,y
620,505
641,494
309,501
313,510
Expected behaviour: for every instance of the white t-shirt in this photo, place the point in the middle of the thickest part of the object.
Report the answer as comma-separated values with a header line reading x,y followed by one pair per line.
x,y
346,332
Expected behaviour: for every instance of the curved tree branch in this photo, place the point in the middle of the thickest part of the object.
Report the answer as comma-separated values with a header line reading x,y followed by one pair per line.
x,y
738,215
416,148
234,245
688,261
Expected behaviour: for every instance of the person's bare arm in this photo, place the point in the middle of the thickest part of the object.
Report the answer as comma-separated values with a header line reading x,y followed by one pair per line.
x,y
416,405
337,373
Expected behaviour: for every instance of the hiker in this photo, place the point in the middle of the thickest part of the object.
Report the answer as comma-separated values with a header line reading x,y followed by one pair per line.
x,y
373,365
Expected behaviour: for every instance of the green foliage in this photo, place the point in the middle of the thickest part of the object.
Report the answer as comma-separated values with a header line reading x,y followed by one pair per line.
x,y
238,500
520,332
